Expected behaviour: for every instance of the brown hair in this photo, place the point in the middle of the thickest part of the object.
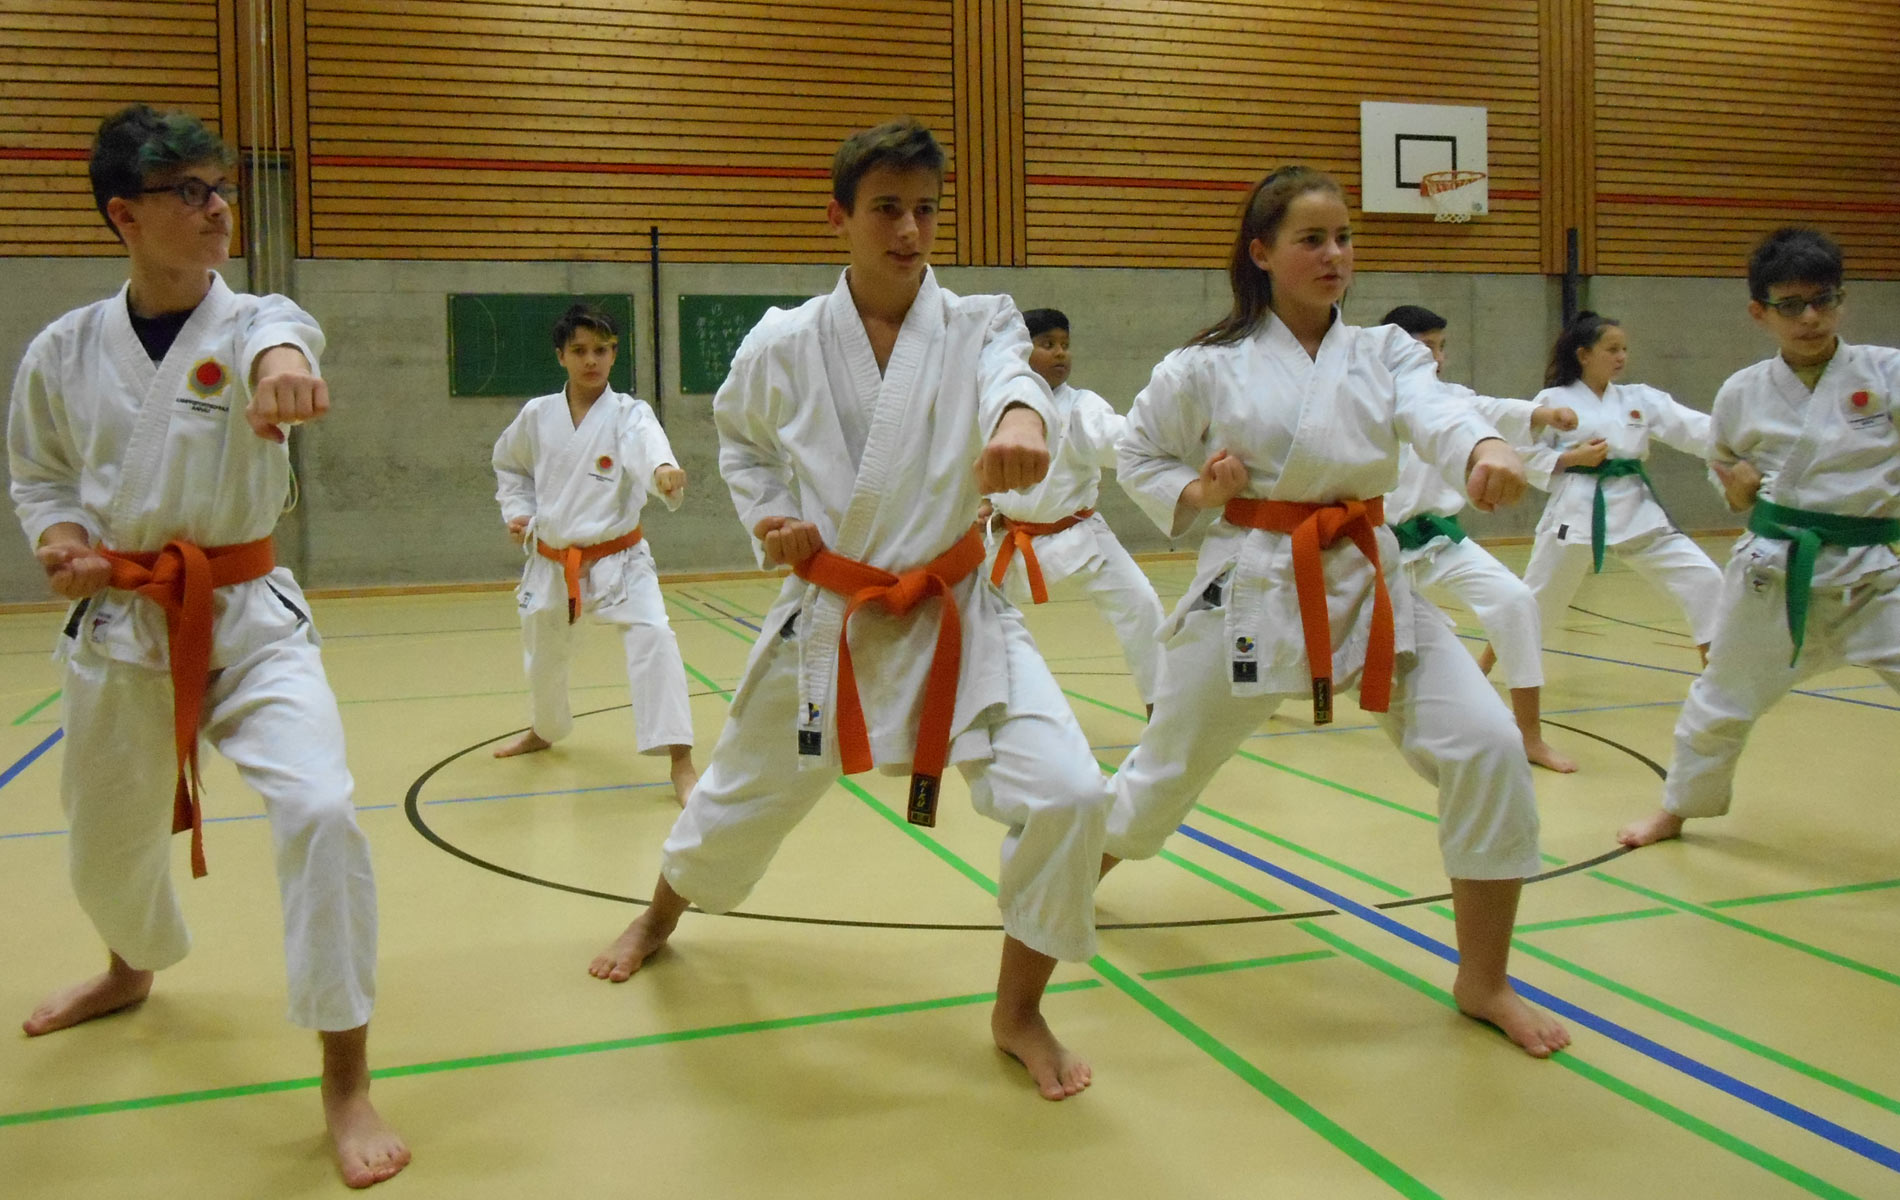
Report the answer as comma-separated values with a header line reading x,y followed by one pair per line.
x,y
1260,220
903,145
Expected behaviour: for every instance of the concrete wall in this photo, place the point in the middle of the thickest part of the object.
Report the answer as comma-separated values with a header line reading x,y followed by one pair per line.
x,y
397,488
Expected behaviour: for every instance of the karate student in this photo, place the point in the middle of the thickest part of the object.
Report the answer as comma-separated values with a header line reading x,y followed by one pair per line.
x,y
147,445
848,431
572,473
1423,511
1808,439
1600,495
1289,421
1052,531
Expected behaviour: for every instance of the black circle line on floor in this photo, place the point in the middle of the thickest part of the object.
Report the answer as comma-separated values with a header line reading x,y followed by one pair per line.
x,y
412,806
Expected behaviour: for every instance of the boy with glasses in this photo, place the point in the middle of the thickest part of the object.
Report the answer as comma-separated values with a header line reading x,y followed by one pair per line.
x,y
1808,440
146,443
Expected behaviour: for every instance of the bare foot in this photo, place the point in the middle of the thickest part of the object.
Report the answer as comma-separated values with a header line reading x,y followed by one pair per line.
x,y
1537,1034
527,743
639,942
1658,826
1487,658
1058,1073
120,987
1541,755
368,1151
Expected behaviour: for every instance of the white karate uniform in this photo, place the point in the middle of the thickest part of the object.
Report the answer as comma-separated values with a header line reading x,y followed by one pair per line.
x,y
581,486
1627,416
1820,452
1503,603
1121,592
141,454
1315,431
882,465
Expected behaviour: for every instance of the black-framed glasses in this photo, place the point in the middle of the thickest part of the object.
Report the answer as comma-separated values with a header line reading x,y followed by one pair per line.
x,y
195,192
1792,307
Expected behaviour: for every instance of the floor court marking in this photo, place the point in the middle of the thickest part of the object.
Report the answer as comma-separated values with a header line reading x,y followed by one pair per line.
x,y
1801,1118
28,715
26,760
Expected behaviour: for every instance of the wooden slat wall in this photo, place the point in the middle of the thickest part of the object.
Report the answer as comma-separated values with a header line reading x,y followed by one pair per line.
x,y
490,129
65,65
1569,149
1148,119
1718,121
989,77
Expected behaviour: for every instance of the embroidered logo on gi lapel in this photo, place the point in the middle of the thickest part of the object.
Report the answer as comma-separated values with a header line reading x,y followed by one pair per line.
x,y
1246,664
1865,409
208,378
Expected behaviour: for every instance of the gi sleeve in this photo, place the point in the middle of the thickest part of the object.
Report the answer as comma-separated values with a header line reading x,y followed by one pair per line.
x,y
1726,434
752,459
1540,452
514,467
42,457
1095,429
646,444
1441,426
1005,378
1679,425
1166,441
277,321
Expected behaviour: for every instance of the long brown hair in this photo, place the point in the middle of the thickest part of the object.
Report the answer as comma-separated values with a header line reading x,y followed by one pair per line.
x,y
1585,330
1260,220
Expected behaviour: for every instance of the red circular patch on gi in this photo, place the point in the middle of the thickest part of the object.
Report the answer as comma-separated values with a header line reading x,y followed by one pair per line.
x,y
1861,399
1636,414
209,375
605,463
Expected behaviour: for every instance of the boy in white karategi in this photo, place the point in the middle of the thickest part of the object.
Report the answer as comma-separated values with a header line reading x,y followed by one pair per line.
x,y
848,430
1600,494
572,473
146,441
1289,421
1807,439
1052,531
1423,511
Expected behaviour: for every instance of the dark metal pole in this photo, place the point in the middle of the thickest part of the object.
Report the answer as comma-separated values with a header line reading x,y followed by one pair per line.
x,y
1573,278
653,259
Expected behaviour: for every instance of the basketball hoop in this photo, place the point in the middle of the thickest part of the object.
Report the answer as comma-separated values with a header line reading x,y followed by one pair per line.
x,y
1454,195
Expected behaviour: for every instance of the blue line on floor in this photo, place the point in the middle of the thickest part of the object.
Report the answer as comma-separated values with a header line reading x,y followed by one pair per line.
x,y
26,760
1748,1093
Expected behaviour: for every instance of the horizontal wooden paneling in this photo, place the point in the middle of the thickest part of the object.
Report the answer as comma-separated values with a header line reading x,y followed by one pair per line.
x,y
64,66
1170,109
474,128
1718,122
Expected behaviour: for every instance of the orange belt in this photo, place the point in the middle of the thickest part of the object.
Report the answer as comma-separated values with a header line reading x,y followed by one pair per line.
x,y
898,594
1017,535
180,579
1316,527
571,558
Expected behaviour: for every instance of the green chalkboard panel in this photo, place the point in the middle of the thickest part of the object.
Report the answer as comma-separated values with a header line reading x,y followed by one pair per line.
x,y
500,343
711,328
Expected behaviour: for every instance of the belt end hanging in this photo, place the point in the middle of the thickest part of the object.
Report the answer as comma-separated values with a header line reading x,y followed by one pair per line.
x,y
923,801
1322,701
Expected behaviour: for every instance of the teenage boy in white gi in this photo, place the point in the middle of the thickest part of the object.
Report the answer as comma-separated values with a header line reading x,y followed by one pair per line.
x,y
1052,531
1423,512
857,433
572,473
147,444
1806,443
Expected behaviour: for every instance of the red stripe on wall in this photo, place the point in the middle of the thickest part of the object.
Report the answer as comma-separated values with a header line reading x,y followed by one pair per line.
x,y
1770,202
35,155
589,168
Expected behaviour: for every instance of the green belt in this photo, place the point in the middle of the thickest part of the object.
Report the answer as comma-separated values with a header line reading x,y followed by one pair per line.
x,y
1609,468
1806,532
1421,529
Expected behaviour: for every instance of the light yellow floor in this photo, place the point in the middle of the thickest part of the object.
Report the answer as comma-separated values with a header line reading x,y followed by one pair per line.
x,y
1296,1057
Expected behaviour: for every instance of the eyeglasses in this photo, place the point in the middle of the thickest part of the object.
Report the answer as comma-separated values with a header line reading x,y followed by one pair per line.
x,y
1792,307
195,192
